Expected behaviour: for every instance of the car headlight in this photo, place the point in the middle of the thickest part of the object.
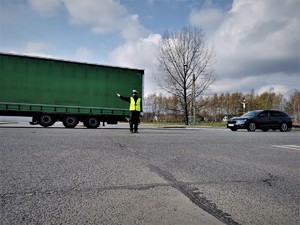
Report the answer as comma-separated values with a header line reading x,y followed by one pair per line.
x,y
240,122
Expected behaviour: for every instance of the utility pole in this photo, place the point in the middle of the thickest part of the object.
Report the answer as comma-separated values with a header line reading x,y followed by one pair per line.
x,y
193,111
185,67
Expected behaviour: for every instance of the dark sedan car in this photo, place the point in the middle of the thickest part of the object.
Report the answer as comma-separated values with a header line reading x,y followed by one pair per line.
x,y
261,119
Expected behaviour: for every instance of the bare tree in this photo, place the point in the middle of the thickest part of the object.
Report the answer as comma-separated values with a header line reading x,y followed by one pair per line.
x,y
293,106
185,61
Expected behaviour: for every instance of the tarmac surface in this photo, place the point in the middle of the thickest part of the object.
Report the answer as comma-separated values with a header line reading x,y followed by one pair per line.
x,y
172,175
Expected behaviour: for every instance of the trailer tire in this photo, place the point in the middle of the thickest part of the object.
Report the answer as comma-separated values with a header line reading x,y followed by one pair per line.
x,y
46,120
92,122
70,121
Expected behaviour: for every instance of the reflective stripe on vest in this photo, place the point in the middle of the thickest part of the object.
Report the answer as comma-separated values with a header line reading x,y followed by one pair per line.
x,y
133,106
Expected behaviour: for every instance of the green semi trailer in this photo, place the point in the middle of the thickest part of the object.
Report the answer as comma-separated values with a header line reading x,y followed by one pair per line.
x,y
50,90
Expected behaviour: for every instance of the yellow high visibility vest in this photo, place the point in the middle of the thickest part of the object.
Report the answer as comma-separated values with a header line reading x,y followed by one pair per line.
x,y
133,106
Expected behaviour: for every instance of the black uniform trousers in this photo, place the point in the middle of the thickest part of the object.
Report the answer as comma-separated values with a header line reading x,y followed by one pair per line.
x,y
134,120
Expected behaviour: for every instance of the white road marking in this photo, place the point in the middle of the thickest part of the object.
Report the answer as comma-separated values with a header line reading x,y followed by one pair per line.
x,y
291,147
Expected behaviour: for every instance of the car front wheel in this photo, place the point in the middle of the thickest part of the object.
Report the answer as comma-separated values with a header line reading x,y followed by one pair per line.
x,y
251,127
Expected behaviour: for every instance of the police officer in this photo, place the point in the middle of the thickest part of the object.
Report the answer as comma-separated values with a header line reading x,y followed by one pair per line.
x,y
135,108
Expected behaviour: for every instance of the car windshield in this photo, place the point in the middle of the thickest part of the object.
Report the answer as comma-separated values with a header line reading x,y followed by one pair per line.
x,y
251,114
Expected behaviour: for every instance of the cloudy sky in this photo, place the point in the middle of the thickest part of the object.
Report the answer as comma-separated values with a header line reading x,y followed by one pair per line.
x,y
257,42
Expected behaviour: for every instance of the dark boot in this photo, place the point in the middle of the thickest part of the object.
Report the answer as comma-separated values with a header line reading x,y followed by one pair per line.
x,y
131,127
135,129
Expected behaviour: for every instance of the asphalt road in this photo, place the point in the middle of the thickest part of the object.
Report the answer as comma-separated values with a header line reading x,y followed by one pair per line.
x,y
158,176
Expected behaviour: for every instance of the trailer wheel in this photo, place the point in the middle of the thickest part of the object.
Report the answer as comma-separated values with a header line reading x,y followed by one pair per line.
x,y
70,121
92,122
46,120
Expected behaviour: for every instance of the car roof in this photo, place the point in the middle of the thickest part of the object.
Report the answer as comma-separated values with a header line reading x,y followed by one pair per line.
x,y
258,110
265,110
269,110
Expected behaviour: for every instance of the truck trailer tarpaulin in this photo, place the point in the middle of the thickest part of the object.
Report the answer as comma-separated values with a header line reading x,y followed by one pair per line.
x,y
50,90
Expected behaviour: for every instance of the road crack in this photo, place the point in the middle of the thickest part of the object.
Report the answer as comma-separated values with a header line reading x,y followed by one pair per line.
x,y
195,196
271,180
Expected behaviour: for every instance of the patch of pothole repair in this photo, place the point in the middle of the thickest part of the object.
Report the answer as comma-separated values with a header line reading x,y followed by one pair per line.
x,y
195,196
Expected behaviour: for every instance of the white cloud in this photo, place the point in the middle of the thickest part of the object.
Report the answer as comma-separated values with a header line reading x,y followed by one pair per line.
x,y
45,7
94,12
84,55
257,44
38,49
105,16
140,54
130,27
208,19
258,84
256,40
273,88
234,84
